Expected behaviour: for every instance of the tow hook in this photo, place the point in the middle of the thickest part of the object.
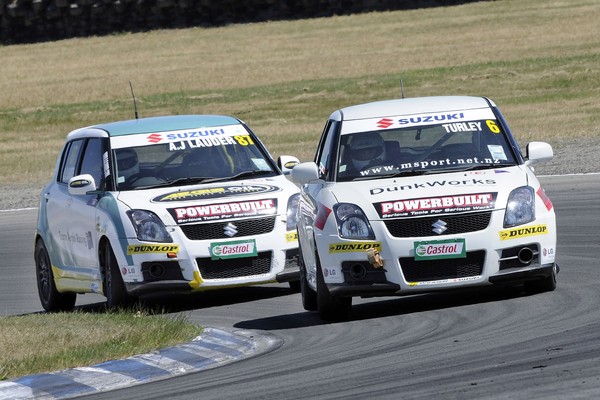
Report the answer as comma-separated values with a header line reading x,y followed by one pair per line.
x,y
374,258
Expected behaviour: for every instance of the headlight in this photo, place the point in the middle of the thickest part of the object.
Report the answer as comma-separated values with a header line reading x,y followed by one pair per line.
x,y
352,222
520,208
292,210
149,227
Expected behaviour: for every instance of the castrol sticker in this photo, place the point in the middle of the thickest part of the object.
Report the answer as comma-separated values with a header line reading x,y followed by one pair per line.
x,y
234,249
440,249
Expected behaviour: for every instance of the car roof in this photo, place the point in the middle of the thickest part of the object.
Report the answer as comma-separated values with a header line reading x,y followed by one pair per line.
x,y
407,106
153,124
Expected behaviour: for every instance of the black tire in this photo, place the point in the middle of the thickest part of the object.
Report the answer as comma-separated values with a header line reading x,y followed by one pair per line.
x,y
114,288
309,296
547,284
51,299
331,308
294,286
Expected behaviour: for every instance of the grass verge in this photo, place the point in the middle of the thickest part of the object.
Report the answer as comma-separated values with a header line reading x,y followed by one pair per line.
x,y
36,343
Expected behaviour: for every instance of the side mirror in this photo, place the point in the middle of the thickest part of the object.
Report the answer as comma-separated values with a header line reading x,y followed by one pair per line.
x,y
287,163
538,152
304,173
81,184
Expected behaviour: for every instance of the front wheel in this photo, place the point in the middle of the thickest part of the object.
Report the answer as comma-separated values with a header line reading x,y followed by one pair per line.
x,y
547,284
114,287
309,296
50,297
294,286
331,308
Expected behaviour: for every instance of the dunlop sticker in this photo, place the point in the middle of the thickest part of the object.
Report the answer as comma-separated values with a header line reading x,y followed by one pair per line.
x,y
353,247
523,232
291,236
152,248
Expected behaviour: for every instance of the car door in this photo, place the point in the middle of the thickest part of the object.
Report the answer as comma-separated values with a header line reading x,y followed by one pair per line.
x,y
311,211
82,208
58,204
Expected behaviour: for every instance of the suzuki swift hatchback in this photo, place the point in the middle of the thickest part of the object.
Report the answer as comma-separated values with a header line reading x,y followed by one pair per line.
x,y
164,204
417,195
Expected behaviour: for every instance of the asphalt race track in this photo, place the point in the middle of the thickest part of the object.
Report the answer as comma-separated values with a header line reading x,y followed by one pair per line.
x,y
468,345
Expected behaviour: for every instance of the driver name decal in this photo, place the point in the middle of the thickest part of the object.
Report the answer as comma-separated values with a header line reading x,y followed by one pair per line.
x,y
435,205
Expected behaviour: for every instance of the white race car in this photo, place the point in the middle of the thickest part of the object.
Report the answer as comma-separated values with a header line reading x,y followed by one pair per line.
x,y
164,204
416,195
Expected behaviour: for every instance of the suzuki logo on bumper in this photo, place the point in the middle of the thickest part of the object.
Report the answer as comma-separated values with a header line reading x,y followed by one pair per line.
x,y
230,230
439,227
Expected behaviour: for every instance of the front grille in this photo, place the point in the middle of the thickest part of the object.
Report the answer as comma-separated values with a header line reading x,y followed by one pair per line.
x,y
216,230
434,270
235,267
456,224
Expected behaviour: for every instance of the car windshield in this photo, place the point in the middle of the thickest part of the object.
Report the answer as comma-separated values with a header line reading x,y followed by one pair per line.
x,y
167,159
424,149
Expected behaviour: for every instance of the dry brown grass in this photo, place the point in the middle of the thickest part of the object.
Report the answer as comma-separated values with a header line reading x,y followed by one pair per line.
x,y
480,48
82,70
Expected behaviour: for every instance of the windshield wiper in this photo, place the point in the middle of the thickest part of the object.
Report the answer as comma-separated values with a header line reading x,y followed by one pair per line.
x,y
476,167
246,174
181,181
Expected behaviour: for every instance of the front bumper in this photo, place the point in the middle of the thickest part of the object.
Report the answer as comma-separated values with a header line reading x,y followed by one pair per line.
x,y
489,258
514,277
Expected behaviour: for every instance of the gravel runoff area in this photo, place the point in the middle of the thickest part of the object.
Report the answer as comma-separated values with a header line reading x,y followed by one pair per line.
x,y
577,157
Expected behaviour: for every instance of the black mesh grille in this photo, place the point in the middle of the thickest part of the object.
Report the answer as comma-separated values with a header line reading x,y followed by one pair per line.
x,y
433,270
417,227
216,230
235,267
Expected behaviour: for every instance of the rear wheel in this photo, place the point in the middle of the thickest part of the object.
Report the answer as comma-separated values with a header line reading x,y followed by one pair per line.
x,y
50,297
331,308
114,287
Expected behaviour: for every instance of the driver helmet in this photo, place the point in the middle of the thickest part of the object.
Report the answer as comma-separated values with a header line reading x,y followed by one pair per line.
x,y
127,164
365,149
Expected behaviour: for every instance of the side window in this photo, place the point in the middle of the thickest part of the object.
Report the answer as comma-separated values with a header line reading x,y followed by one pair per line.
x,y
324,156
92,160
70,160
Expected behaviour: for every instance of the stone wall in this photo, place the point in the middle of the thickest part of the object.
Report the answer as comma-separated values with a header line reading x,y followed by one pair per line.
x,y
27,21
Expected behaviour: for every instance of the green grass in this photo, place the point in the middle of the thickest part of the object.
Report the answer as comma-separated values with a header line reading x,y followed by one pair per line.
x,y
37,343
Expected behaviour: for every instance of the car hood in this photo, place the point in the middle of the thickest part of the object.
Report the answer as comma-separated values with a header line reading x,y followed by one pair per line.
x,y
433,194
213,202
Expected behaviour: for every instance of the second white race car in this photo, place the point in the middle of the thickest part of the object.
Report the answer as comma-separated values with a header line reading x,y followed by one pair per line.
x,y
164,204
